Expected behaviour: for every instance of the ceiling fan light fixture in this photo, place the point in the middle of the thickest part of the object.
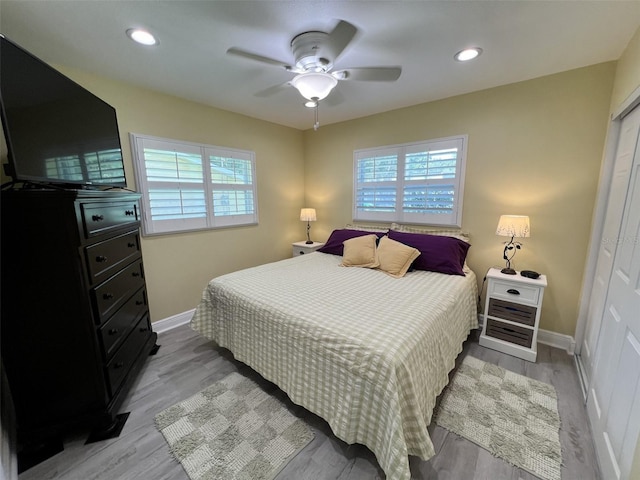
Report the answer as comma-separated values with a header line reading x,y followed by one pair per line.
x,y
468,54
314,85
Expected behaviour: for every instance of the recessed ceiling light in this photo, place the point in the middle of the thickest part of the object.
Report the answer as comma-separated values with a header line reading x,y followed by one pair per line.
x,y
141,36
467,54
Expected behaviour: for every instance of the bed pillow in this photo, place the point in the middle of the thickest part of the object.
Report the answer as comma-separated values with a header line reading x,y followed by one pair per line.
x,y
395,258
334,244
432,231
360,252
367,228
437,253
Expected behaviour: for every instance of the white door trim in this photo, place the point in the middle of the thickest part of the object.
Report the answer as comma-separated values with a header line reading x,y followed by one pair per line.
x,y
604,188
606,172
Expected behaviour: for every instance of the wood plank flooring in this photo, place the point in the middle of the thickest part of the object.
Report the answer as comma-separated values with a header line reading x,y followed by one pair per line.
x,y
187,363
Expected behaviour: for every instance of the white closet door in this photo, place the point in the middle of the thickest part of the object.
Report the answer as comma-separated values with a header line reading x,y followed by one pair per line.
x,y
627,141
614,395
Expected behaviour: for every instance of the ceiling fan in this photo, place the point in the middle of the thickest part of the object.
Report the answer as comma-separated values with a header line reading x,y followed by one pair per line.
x,y
315,54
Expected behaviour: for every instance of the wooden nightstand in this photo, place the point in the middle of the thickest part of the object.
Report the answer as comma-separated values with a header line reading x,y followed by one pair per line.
x,y
512,314
300,248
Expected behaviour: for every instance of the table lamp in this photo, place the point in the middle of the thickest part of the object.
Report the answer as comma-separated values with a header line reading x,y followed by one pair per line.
x,y
308,215
514,226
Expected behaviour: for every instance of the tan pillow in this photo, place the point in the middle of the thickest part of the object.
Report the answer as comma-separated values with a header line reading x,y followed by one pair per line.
x,y
360,252
395,258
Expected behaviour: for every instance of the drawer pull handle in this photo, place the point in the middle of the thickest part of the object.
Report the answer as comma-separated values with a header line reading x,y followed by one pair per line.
x,y
101,259
128,213
118,365
97,218
139,302
107,296
143,329
301,252
513,291
135,274
131,244
113,331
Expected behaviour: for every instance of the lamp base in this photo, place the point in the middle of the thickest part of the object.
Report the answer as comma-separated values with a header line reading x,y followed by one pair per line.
x,y
309,242
508,271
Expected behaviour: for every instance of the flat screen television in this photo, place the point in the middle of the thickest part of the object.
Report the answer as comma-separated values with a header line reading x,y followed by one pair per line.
x,y
57,132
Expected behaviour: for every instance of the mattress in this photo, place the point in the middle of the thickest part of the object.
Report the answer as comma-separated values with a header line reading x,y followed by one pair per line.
x,y
367,352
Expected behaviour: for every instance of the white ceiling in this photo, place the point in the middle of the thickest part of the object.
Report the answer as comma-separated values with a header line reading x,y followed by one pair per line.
x,y
521,40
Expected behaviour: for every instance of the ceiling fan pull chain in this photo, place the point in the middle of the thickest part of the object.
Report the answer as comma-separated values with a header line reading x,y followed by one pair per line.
x,y
316,125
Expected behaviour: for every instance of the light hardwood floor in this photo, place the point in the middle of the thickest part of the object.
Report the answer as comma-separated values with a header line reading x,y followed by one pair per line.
x,y
187,363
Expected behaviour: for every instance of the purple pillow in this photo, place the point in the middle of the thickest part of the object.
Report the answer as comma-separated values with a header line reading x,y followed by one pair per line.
x,y
437,253
334,244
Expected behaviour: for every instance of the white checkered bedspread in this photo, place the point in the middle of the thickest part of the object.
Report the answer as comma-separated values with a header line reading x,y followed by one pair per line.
x,y
367,352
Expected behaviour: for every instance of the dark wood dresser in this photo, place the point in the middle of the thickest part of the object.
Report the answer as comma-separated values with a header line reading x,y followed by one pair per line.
x,y
75,329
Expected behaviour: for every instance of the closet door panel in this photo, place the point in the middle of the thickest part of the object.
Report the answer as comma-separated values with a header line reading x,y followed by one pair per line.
x,y
627,142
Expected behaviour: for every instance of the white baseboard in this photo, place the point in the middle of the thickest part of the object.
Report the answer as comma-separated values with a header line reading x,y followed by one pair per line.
x,y
582,376
172,322
547,337
557,340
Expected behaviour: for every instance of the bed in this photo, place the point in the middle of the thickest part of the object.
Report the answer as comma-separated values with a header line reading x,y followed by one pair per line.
x,y
367,352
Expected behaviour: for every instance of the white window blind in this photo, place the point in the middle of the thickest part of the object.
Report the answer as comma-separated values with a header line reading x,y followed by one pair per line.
x,y
189,186
419,183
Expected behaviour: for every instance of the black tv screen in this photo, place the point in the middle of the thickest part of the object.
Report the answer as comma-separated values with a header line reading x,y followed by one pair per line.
x,y
57,132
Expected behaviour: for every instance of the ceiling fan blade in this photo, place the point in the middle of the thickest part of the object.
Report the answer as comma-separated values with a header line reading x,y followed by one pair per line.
x,y
258,58
272,90
339,38
369,74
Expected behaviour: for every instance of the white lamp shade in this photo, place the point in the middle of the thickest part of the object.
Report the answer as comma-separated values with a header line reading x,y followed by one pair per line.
x,y
514,226
308,214
314,85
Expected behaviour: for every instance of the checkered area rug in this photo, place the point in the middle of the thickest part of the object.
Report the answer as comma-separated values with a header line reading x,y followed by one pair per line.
x,y
512,416
232,430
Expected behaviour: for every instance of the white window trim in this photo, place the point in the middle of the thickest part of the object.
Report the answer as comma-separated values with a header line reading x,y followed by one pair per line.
x,y
162,227
453,220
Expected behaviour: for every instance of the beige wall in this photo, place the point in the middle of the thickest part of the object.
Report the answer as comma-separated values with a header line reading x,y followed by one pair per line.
x,y
535,149
178,267
627,72
627,81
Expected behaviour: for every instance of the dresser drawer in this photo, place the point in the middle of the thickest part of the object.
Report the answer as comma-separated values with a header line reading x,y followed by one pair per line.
x,y
116,329
510,333
110,295
514,312
126,355
105,258
519,293
98,218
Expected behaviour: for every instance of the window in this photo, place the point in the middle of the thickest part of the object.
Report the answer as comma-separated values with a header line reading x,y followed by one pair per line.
x,y
188,186
420,183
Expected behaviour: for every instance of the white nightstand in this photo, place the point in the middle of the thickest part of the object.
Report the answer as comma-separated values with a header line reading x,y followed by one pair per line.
x,y
300,248
512,314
